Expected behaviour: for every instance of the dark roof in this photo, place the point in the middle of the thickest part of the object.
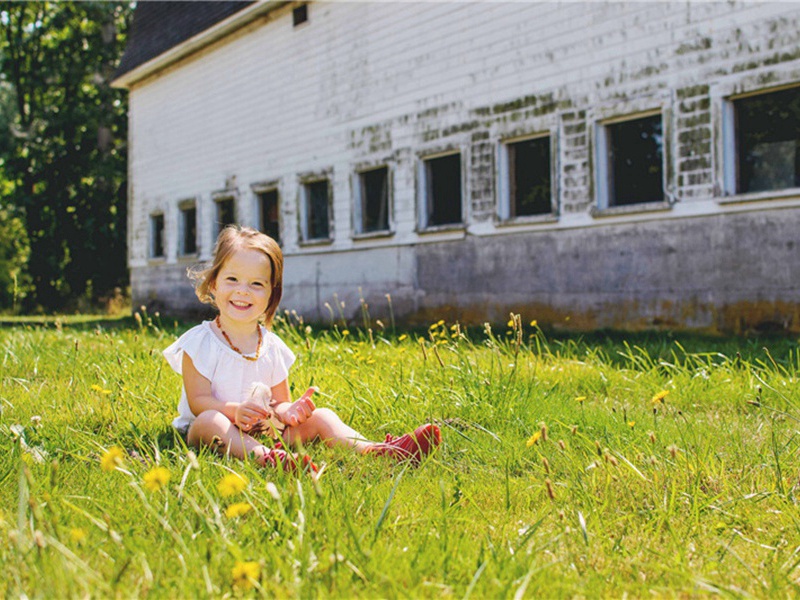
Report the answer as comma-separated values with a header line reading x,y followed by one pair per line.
x,y
158,26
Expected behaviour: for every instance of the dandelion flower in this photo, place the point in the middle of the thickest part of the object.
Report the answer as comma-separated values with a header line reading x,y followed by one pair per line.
x,y
402,337
112,458
156,478
345,332
245,574
100,389
659,397
533,439
237,509
631,424
231,484
534,323
77,535
580,399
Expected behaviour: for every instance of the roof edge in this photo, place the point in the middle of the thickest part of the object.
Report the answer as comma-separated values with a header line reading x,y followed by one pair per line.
x,y
197,42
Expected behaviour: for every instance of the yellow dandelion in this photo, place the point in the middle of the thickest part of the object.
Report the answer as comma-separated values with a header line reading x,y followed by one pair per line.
x,y
245,574
402,337
77,535
345,332
231,484
533,439
112,458
660,396
156,478
631,424
510,323
237,509
580,399
534,323
100,389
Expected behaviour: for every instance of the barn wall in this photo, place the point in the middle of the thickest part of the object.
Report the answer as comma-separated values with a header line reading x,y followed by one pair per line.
x,y
367,84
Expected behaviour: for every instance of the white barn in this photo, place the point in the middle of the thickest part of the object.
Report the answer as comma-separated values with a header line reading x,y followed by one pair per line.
x,y
631,165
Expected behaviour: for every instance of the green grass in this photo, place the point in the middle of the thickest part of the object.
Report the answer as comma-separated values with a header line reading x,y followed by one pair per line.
x,y
533,493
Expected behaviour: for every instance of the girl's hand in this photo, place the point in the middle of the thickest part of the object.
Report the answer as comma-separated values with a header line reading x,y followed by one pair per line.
x,y
249,413
298,411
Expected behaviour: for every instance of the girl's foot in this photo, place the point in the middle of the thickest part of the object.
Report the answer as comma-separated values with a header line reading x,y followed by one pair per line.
x,y
411,446
288,461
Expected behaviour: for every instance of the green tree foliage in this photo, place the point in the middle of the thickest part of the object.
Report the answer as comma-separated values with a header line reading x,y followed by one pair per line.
x,y
64,148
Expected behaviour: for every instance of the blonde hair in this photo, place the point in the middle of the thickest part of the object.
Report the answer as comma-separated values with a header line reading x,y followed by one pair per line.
x,y
231,239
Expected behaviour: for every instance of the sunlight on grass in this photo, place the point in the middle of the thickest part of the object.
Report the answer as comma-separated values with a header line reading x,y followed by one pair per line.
x,y
592,466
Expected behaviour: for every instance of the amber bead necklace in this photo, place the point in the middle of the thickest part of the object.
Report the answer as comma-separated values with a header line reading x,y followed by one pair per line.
x,y
234,348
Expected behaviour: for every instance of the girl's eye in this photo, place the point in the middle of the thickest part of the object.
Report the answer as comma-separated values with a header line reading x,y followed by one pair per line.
x,y
258,284
230,278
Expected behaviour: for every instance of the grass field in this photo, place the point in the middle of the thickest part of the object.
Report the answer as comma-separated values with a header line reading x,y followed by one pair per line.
x,y
583,467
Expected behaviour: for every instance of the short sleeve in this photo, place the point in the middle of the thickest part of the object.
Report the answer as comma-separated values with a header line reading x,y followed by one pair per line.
x,y
200,347
281,358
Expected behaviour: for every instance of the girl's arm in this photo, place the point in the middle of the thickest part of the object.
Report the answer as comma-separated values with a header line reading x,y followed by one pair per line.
x,y
198,393
290,413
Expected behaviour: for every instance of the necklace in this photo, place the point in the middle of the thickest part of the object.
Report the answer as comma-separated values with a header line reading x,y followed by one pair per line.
x,y
234,348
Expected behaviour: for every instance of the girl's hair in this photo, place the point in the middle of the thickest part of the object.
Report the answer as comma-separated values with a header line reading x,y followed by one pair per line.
x,y
232,239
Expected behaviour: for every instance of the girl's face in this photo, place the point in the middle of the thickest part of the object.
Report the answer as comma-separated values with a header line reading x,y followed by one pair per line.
x,y
242,288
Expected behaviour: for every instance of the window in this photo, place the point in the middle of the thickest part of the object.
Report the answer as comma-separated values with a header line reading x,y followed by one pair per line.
x,y
631,162
300,15
188,229
225,213
157,236
528,177
316,215
268,215
767,141
372,201
442,190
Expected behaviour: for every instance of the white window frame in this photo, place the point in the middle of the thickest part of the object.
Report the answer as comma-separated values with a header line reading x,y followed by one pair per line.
x,y
504,178
305,183
183,206
153,234
358,202
602,177
424,211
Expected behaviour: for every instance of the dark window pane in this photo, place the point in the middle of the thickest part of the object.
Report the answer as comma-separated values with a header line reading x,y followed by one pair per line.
x,y
268,214
375,200
318,225
443,179
157,222
225,214
529,177
300,15
636,162
189,226
768,141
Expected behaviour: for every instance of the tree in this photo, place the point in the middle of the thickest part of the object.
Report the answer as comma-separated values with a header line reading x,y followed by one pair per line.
x,y
64,164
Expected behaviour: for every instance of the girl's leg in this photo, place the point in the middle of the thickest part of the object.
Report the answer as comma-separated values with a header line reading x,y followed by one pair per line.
x,y
325,425
213,429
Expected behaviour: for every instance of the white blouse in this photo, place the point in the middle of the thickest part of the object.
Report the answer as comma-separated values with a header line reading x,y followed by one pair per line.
x,y
230,374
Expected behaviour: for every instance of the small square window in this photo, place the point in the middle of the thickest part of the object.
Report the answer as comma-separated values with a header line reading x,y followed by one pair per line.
x,y
225,213
633,171
188,229
529,178
373,201
768,141
300,15
316,221
268,214
157,236
442,189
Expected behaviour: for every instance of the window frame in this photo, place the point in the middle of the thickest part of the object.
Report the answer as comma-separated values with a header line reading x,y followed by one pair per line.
x,y
259,189
155,218
359,200
603,179
504,174
220,198
183,207
728,148
423,188
303,212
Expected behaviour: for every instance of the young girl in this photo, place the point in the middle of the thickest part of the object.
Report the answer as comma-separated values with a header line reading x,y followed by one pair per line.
x,y
233,364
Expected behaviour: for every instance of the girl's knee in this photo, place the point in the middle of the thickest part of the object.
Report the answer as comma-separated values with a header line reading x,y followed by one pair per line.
x,y
325,414
206,426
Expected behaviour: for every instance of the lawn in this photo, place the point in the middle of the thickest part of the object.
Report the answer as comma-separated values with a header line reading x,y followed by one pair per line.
x,y
594,466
